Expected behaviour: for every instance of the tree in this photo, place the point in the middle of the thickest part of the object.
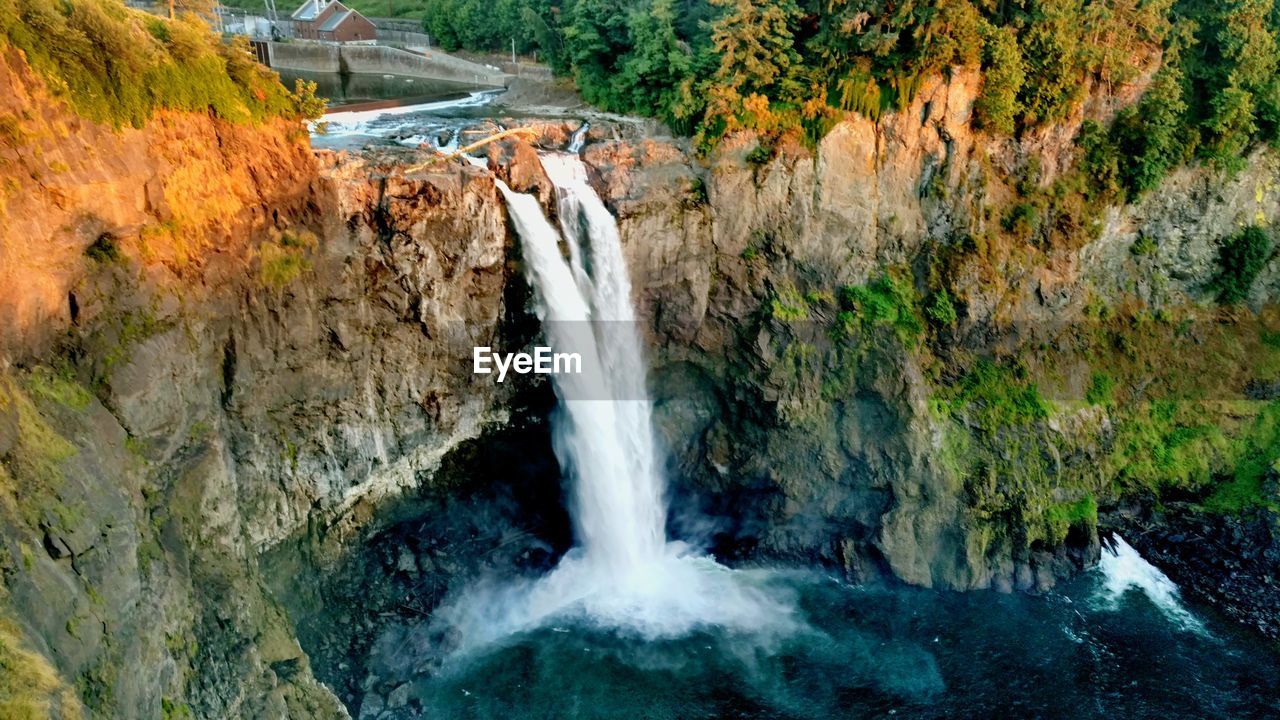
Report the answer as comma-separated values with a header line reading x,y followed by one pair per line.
x,y
658,66
756,46
1052,51
997,107
597,39
758,59
203,8
1151,137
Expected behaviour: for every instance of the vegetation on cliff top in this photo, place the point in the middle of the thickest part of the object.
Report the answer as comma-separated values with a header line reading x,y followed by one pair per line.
x,y
715,65
119,66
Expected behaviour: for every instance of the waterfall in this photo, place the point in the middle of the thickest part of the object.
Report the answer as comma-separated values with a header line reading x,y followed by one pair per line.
x,y
604,436
579,138
623,573
1123,569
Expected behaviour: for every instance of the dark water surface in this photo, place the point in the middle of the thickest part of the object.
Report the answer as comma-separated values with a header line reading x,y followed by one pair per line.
x,y
342,90
879,653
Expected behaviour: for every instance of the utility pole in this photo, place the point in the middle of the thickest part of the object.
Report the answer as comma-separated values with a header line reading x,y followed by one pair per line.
x,y
513,51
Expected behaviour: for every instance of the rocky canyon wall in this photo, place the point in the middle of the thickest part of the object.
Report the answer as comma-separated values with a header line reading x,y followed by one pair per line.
x,y
228,360
214,340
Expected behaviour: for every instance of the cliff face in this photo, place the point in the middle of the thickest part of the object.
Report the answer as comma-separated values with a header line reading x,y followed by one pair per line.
x,y
213,339
237,376
841,453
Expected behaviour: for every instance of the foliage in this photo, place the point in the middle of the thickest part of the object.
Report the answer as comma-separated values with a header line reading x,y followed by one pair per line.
x,y
941,310
103,250
57,386
1150,138
118,66
890,300
997,108
1061,517
995,396
709,66
1241,257
789,305
1101,389
285,259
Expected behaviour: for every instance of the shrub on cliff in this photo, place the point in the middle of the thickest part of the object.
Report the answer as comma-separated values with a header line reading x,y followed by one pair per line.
x,y
1241,257
119,66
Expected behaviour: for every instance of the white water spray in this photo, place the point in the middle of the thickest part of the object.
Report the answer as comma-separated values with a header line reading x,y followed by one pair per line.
x,y
623,573
1123,569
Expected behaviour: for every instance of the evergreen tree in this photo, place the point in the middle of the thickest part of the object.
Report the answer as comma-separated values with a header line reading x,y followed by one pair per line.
x,y
659,65
758,58
997,107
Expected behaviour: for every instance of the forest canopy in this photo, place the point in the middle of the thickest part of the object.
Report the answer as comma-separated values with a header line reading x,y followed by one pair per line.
x,y
710,66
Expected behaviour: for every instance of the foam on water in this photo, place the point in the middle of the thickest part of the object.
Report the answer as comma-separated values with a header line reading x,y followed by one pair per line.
x,y
1123,570
362,122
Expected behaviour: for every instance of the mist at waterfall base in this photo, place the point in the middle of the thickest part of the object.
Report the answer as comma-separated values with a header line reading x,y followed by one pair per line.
x,y
632,625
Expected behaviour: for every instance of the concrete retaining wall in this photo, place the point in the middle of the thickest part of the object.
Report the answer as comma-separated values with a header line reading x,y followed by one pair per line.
x,y
306,57
435,65
377,59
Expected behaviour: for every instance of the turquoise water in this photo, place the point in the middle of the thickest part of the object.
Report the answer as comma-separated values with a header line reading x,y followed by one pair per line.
x,y
877,653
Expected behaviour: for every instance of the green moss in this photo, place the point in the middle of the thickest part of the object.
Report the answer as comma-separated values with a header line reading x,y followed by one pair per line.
x,y
788,305
1256,457
995,396
33,466
1061,517
57,386
123,334
1164,444
1101,389
171,710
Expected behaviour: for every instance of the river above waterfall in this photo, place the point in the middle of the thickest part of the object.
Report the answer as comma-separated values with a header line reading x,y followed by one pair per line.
x,y
866,652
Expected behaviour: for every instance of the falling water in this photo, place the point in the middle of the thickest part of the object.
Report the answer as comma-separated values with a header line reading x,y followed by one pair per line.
x,y
579,138
605,437
623,573
1123,569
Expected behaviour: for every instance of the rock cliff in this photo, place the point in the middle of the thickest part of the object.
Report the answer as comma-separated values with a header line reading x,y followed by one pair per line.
x,y
214,340
237,410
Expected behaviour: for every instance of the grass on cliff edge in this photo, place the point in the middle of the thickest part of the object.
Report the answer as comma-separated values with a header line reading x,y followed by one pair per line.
x,y
119,66
30,688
